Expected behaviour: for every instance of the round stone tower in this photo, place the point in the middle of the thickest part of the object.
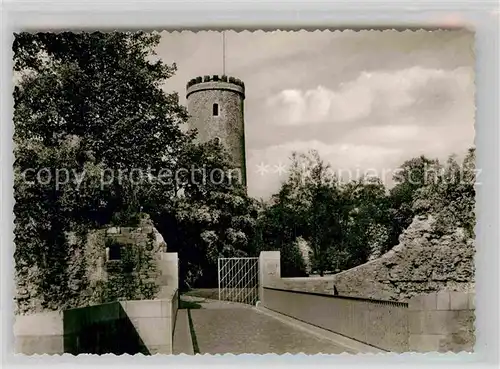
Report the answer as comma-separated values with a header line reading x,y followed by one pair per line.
x,y
215,107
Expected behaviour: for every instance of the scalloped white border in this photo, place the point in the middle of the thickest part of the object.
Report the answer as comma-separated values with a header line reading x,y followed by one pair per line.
x,y
483,16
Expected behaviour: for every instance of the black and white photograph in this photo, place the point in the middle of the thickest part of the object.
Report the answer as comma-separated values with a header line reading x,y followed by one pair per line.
x,y
250,192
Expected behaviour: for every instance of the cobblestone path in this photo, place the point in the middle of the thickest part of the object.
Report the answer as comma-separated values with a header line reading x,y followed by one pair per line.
x,y
224,327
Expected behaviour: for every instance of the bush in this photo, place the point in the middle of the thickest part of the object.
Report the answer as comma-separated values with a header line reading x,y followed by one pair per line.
x,y
292,263
126,218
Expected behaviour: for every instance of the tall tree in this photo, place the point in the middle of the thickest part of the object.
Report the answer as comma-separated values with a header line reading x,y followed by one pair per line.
x,y
413,174
95,102
213,216
344,224
87,105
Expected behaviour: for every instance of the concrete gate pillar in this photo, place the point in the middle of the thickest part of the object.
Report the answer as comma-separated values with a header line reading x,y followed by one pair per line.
x,y
269,270
168,278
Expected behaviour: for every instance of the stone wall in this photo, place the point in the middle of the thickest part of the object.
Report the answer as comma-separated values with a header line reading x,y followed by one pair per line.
x,y
307,284
131,326
101,329
135,274
93,279
380,324
154,321
420,264
438,322
120,327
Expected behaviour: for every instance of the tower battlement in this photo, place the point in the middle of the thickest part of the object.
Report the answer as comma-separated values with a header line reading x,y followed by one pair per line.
x,y
215,82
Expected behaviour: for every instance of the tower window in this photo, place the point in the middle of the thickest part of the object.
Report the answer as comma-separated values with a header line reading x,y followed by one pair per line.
x,y
215,110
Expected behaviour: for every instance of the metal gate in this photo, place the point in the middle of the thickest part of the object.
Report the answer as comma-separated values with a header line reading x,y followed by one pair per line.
x,y
239,279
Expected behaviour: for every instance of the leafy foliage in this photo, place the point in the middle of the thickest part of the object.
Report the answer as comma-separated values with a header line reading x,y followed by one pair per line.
x,y
211,219
451,196
337,220
91,106
347,224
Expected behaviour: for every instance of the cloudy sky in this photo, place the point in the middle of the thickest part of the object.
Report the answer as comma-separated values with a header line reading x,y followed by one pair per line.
x,y
365,100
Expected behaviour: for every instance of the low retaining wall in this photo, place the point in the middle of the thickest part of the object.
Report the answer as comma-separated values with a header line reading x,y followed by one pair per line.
x,y
381,324
121,327
39,333
101,329
141,326
441,321
323,285
154,321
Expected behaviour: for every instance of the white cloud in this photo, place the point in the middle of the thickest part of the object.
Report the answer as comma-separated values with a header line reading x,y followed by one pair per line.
x,y
296,107
375,92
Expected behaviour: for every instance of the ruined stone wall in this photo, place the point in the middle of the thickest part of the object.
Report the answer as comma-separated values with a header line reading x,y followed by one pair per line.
x,y
228,125
422,263
135,274
92,279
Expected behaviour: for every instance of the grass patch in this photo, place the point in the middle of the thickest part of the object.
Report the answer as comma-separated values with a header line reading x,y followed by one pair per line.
x,y
196,348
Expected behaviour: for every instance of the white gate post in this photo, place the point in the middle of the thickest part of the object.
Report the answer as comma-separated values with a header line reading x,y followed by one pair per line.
x,y
269,270
218,273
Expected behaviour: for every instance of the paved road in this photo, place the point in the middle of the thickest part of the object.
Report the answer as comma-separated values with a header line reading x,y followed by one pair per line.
x,y
222,327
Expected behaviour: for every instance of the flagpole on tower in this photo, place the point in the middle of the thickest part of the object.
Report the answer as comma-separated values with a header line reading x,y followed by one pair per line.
x,y
223,52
